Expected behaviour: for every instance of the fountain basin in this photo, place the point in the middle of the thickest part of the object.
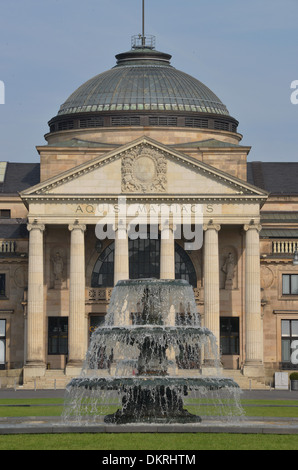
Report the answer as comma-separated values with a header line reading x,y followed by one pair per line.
x,y
122,383
152,332
150,399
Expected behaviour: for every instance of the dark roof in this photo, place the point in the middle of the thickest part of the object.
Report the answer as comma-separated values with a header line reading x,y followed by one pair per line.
x,y
13,229
274,177
280,217
20,176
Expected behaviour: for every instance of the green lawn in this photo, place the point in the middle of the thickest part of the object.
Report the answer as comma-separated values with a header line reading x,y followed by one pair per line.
x,y
287,410
26,407
157,442
161,442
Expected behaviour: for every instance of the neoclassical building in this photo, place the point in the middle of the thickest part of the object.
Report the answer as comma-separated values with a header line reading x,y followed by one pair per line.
x,y
149,136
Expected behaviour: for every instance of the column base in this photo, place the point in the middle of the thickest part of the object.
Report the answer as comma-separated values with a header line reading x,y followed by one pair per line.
x,y
255,369
211,368
32,370
73,368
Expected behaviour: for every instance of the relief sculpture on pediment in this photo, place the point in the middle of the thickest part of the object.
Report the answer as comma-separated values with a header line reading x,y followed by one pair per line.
x,y
144,170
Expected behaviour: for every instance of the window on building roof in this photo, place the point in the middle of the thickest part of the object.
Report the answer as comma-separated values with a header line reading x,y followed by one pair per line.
x,y
5,214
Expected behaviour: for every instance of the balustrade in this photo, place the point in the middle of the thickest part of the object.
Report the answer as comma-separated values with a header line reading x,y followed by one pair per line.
x,y
284,246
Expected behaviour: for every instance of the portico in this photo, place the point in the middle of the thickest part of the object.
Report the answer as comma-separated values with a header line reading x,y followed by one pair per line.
x,y
57,207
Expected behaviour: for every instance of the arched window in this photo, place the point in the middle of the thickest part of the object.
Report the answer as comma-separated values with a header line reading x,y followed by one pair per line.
x,y
184,268
144,263
103,272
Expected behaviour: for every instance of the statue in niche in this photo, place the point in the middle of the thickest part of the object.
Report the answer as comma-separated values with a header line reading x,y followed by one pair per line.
x,y
58,267
229,270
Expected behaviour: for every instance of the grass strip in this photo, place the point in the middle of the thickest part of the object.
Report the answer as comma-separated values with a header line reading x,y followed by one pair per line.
x,y
149,442
53,407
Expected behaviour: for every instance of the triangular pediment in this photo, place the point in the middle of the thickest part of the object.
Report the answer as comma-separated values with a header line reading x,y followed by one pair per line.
x,y
144,167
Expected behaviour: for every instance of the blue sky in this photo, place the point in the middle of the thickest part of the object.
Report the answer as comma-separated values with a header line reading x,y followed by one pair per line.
x,y
245,51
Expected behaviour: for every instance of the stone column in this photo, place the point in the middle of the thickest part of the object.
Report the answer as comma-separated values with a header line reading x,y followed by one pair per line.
x,y
167,271
35,307
253,321
77,328
121,273
121,261
211,285
167,251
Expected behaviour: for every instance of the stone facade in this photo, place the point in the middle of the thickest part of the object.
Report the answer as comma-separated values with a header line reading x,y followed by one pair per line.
x,y
51,298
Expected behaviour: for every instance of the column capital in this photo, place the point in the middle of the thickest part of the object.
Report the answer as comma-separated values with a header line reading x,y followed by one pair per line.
x,y
211,226
252,226
167,226
36,226
120,225
77,226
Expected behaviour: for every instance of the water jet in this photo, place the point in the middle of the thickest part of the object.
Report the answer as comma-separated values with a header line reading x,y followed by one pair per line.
x,y
150,355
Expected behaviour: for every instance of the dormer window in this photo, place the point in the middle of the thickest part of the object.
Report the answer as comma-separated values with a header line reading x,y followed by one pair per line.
x,y
5,214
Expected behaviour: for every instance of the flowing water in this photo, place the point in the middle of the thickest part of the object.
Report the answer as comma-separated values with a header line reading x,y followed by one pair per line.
x,y
151,362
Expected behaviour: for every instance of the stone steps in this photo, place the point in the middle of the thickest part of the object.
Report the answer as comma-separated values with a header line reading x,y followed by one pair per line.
x,y
56,379
53,379
246,383
11,378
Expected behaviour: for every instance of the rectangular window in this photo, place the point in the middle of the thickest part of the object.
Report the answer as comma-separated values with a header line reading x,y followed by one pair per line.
x,y
2,285
144,255
126,121
91,122
5,213
58,336
229,336
2,344
290,284
289,334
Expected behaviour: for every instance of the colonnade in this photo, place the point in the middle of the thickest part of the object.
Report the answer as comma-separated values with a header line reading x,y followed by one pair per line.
x,y
77,333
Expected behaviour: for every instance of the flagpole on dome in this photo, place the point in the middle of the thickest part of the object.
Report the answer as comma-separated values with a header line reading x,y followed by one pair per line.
x,y
143,41
143,25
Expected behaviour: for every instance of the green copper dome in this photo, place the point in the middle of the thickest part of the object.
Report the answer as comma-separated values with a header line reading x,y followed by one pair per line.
x,y
143,80
143,90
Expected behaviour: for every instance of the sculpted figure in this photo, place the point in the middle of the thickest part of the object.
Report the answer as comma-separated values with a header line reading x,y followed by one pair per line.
x,y
58,266
229,269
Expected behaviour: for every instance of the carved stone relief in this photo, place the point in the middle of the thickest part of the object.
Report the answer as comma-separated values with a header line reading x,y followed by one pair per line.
x,y
58,270
267,277
21,277
144,170
229,261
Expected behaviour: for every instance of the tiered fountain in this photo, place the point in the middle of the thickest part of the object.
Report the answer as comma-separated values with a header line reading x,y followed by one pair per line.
x,y
150,353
